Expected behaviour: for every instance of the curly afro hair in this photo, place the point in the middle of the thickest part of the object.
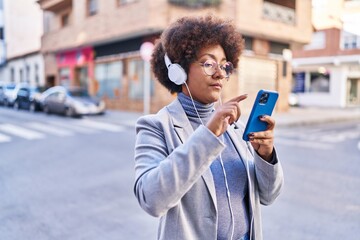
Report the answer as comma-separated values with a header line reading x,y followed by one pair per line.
x,y
186,37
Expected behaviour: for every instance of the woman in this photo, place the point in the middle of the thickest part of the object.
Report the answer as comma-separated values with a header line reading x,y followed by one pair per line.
x,y
193,170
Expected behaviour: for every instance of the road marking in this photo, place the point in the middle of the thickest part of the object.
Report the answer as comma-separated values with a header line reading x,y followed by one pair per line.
x,y
296,133
305,144
74,127
359,145
4,138
49,129
21,132
100,125
318,136
335,137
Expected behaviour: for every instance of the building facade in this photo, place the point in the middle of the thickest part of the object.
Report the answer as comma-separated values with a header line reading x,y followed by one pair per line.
x,y
326,72
21,27
95,44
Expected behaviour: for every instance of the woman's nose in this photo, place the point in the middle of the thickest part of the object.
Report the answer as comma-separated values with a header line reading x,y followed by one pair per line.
x,y
219,74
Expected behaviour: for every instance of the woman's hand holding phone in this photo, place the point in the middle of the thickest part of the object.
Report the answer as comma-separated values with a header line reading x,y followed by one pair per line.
x,y
263,142
260,126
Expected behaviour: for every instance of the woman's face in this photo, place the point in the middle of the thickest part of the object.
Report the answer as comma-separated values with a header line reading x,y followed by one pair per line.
x,y
204,88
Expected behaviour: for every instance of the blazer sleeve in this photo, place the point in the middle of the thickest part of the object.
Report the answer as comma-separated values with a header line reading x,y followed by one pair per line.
x,y
162,178
269,178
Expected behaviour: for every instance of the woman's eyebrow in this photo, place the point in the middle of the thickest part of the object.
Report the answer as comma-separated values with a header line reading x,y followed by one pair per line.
x,y
212,56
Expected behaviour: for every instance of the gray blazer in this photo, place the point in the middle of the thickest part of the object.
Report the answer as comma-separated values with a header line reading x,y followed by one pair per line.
x,y
173,179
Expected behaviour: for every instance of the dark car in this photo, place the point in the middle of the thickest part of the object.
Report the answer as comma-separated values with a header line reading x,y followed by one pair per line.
x,y
71,102
28,97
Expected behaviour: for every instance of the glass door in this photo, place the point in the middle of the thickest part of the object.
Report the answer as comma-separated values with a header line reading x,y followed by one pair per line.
x,y
353,92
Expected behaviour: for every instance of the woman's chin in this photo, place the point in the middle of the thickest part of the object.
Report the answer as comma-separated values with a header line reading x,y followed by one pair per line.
x,y
214,98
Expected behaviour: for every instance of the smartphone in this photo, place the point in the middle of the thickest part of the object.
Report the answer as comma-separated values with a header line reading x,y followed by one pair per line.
x,y
264,105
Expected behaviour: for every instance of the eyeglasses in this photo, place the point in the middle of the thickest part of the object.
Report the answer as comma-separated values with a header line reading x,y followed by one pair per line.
x,y
210,67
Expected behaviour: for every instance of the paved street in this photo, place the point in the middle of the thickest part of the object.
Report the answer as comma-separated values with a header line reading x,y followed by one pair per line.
x,y
63,178
322,178
66,178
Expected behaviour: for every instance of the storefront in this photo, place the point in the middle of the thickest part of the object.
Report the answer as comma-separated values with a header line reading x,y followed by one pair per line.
x,y
75,68
332,83
119,76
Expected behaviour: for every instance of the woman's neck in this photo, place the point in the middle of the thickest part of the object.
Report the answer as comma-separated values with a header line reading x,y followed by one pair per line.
x,y
187,103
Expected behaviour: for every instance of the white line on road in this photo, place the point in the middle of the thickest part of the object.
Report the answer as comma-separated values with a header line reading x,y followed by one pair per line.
x,y
359,145
335,137
101,125
21,132
4,138
73,127
305,144
49,129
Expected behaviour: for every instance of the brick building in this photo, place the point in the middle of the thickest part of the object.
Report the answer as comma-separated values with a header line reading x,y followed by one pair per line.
x,y
96,44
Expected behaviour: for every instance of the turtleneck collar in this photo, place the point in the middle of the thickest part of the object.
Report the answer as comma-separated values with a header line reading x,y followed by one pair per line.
x,y
203,109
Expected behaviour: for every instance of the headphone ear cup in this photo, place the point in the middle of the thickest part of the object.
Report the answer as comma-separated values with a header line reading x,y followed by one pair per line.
x,y
177,74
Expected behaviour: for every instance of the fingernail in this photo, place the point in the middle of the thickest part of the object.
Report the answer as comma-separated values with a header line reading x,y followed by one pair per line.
x,y
251,135
262,116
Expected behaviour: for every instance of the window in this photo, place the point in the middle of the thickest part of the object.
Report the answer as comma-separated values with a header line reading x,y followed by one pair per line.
x,y
47,19
64,74
36,73
108,78
21,75
350,41
136,77
1,33
27,79
92,7
298,82
65,19
123,2
319,82
317,41
12,75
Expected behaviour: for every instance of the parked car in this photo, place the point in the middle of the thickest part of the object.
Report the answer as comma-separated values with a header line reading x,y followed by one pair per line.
x,y
293,99
72,102
8,94
2,93
28,97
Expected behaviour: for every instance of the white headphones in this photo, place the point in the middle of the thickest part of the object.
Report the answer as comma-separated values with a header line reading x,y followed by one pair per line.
x,y
175,72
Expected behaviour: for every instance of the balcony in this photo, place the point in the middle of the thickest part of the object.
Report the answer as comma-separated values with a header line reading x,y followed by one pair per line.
x,y
278,13
195,3
54,5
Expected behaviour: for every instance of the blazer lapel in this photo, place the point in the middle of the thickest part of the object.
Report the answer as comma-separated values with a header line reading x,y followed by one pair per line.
x,y
246,156
183,129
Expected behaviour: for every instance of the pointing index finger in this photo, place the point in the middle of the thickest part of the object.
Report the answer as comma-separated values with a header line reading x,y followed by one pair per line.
x,y
239,98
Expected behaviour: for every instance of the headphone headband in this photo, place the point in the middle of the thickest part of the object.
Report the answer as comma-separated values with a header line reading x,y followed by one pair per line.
x,y
167,60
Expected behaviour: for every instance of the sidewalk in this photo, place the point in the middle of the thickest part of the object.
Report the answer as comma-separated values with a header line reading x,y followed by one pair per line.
x,y
296,116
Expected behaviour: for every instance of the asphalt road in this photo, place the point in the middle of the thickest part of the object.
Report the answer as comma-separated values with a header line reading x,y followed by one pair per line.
x,y
64,178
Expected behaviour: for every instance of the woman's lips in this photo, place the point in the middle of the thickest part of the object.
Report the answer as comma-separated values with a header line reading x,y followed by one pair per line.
x,y
217,85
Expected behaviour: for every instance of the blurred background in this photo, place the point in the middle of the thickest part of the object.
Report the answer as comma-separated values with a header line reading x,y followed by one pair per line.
x,y
75,76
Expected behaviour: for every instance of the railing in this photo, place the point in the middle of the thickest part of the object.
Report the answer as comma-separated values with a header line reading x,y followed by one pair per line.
x,y
279,13
195,3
